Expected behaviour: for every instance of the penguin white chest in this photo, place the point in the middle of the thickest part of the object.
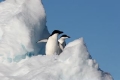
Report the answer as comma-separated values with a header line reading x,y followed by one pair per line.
x,y
51,46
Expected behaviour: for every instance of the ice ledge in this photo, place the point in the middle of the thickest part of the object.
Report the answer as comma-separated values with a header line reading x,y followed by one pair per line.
x,y
74,63
79,64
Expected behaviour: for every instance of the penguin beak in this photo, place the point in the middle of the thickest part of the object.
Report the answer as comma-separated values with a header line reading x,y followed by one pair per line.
x,y
60,32
68,36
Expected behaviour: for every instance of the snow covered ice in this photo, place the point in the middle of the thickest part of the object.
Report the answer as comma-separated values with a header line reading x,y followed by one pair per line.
x,y
74,63
22,24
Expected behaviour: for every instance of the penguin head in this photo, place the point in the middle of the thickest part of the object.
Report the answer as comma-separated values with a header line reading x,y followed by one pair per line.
x,y
56,32
64,36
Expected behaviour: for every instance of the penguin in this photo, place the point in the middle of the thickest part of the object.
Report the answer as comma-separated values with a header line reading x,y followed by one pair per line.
x,y
62,39
62,43
52,42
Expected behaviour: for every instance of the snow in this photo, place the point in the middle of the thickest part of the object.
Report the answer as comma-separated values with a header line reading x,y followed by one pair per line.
x,y
22,24
74,63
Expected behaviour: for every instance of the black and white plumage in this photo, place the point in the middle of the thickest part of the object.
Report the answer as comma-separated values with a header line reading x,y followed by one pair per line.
x,y
62,43
52,42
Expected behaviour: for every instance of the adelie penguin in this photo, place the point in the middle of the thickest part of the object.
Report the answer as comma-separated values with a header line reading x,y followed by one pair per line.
x,y
52,42
62,42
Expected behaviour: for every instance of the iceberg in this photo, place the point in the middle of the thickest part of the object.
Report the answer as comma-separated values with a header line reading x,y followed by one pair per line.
x,y
74,63
22,24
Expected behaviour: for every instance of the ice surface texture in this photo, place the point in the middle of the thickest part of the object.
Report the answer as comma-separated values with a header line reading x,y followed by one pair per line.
x,y
22,24
74,63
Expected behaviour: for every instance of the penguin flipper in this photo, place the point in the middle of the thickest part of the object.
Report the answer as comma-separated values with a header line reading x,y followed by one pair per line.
x,y
43,40
61,47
